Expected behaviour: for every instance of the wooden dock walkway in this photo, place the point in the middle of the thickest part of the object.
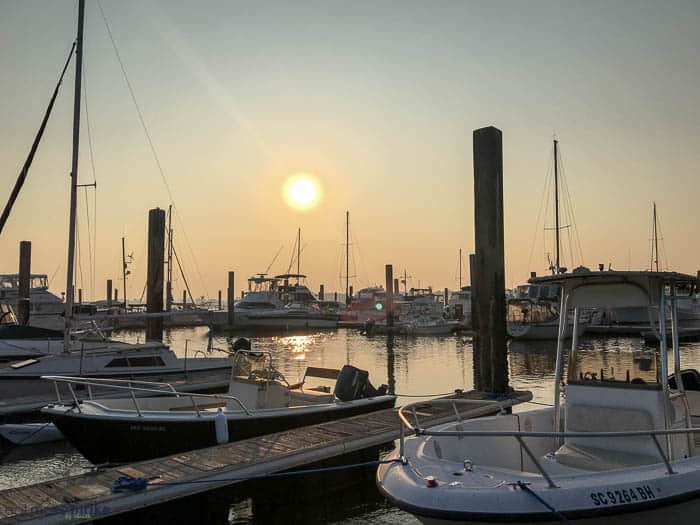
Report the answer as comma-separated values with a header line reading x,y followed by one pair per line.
x,y
89,496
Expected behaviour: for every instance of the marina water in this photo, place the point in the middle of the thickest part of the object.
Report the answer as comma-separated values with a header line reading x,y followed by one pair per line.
x,y
414,366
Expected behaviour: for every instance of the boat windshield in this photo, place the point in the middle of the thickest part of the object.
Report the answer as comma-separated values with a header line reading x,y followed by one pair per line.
x,y
7,316
636,368
251,365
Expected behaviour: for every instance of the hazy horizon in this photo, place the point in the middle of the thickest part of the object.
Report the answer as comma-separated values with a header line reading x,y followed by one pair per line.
x,y
377,101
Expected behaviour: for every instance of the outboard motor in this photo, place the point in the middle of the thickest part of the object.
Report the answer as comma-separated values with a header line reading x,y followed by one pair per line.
x,y
241,343
353,383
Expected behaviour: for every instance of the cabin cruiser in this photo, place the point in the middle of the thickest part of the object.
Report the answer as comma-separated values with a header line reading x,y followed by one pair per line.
x,y
259,401
622,446
109,359
534,314
366,305
45,308
459,306
422,315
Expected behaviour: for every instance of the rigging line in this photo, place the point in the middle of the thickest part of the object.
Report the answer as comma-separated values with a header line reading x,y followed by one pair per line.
x,y
571,214
28,162
539,215
184,279
151,144
91,236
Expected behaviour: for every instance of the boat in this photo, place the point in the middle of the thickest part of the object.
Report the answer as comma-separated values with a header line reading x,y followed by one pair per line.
x,y
367,304
259,401
459,306
151,361
620,448
416,314
18,434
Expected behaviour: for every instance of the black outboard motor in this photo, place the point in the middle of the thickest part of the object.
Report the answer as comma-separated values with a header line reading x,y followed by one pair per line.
x,y
353,383
241,344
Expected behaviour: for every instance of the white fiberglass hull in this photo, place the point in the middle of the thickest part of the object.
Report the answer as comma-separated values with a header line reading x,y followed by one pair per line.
x,y
541,331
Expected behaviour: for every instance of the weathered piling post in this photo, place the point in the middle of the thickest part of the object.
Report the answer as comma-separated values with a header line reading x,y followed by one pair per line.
x,y
154,283
184,299
335,296
220,300
389,270
348,299
109,292
447,296
396,287
490,338
321,292
25,270
476,354
80,296
116,295
231,296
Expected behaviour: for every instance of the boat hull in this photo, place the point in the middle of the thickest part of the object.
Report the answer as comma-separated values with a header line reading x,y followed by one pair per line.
x,y
140,438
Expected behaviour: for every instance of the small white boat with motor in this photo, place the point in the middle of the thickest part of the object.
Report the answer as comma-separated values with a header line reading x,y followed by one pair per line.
x,y
259,401
620,449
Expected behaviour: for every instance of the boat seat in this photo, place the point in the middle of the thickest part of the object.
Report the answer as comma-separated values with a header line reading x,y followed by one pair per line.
x,y
599,459
309,397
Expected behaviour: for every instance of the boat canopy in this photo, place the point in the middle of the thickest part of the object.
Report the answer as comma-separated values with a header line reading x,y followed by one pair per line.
x,y
614,289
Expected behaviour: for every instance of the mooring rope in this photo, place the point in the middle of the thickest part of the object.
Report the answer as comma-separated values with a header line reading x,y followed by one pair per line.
x,y
539,498
135,484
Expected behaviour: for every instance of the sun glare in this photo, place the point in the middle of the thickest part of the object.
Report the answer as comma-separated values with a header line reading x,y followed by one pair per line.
x,y
301,191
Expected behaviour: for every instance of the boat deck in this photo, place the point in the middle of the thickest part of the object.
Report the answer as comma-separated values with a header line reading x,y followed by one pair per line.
x,y
86,497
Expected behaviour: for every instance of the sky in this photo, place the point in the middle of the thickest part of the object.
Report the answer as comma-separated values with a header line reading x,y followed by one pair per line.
x,y
378,101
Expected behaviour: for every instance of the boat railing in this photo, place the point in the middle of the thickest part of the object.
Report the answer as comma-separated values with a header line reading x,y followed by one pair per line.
x,y
151,387
481,410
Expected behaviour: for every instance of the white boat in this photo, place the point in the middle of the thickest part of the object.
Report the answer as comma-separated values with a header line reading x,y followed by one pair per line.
x,y
533,314
259,401
620,449
459,306
30,433
146,362
421,315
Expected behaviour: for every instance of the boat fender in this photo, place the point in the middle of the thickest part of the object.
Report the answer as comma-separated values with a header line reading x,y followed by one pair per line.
x,y
221,427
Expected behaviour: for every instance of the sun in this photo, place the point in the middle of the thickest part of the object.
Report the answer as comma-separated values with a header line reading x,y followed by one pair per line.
x,y
302,191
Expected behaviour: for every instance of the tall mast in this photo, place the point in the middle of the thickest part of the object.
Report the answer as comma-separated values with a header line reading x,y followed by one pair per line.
x,y
169,284
124,269
460,268
655,230
556,205
347,257
74,176
298,254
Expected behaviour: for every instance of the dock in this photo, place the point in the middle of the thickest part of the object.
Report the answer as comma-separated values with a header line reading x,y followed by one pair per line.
x,y
89,496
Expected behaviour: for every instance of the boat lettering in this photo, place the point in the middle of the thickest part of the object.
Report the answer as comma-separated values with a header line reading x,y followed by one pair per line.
x,y
614,497
148,428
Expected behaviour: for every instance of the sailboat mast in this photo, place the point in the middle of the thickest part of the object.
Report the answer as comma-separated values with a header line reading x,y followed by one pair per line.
x,y
74,176
169,284
656,241
460,268
347,257
298,254
124,270
556,205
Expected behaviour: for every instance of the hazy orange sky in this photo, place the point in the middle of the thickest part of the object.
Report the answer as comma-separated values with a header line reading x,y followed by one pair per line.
x,y
377,100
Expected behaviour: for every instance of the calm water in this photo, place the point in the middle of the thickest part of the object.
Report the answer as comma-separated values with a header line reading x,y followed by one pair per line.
x,y
416,367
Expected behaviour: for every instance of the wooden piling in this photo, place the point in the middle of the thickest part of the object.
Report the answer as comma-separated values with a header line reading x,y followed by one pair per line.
x,y
321,292
389,306
184,299
116,295
25,269
109,292
352,292
220,308
154,284
447,296
396,286
490,265
80,296
231,295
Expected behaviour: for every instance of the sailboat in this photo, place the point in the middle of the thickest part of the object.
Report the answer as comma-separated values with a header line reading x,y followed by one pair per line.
x,y
152,361
534,311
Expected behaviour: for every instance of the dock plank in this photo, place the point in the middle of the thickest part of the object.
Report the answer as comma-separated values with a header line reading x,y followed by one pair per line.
x,y
212,467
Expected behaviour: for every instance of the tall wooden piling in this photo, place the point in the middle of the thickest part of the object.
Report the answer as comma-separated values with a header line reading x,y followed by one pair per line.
x,y
80,296
489,275
396,287
389,307
447,296
116,295
184,299
109,292
348,299
154,283
231,296
25,270
220,300
321,292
